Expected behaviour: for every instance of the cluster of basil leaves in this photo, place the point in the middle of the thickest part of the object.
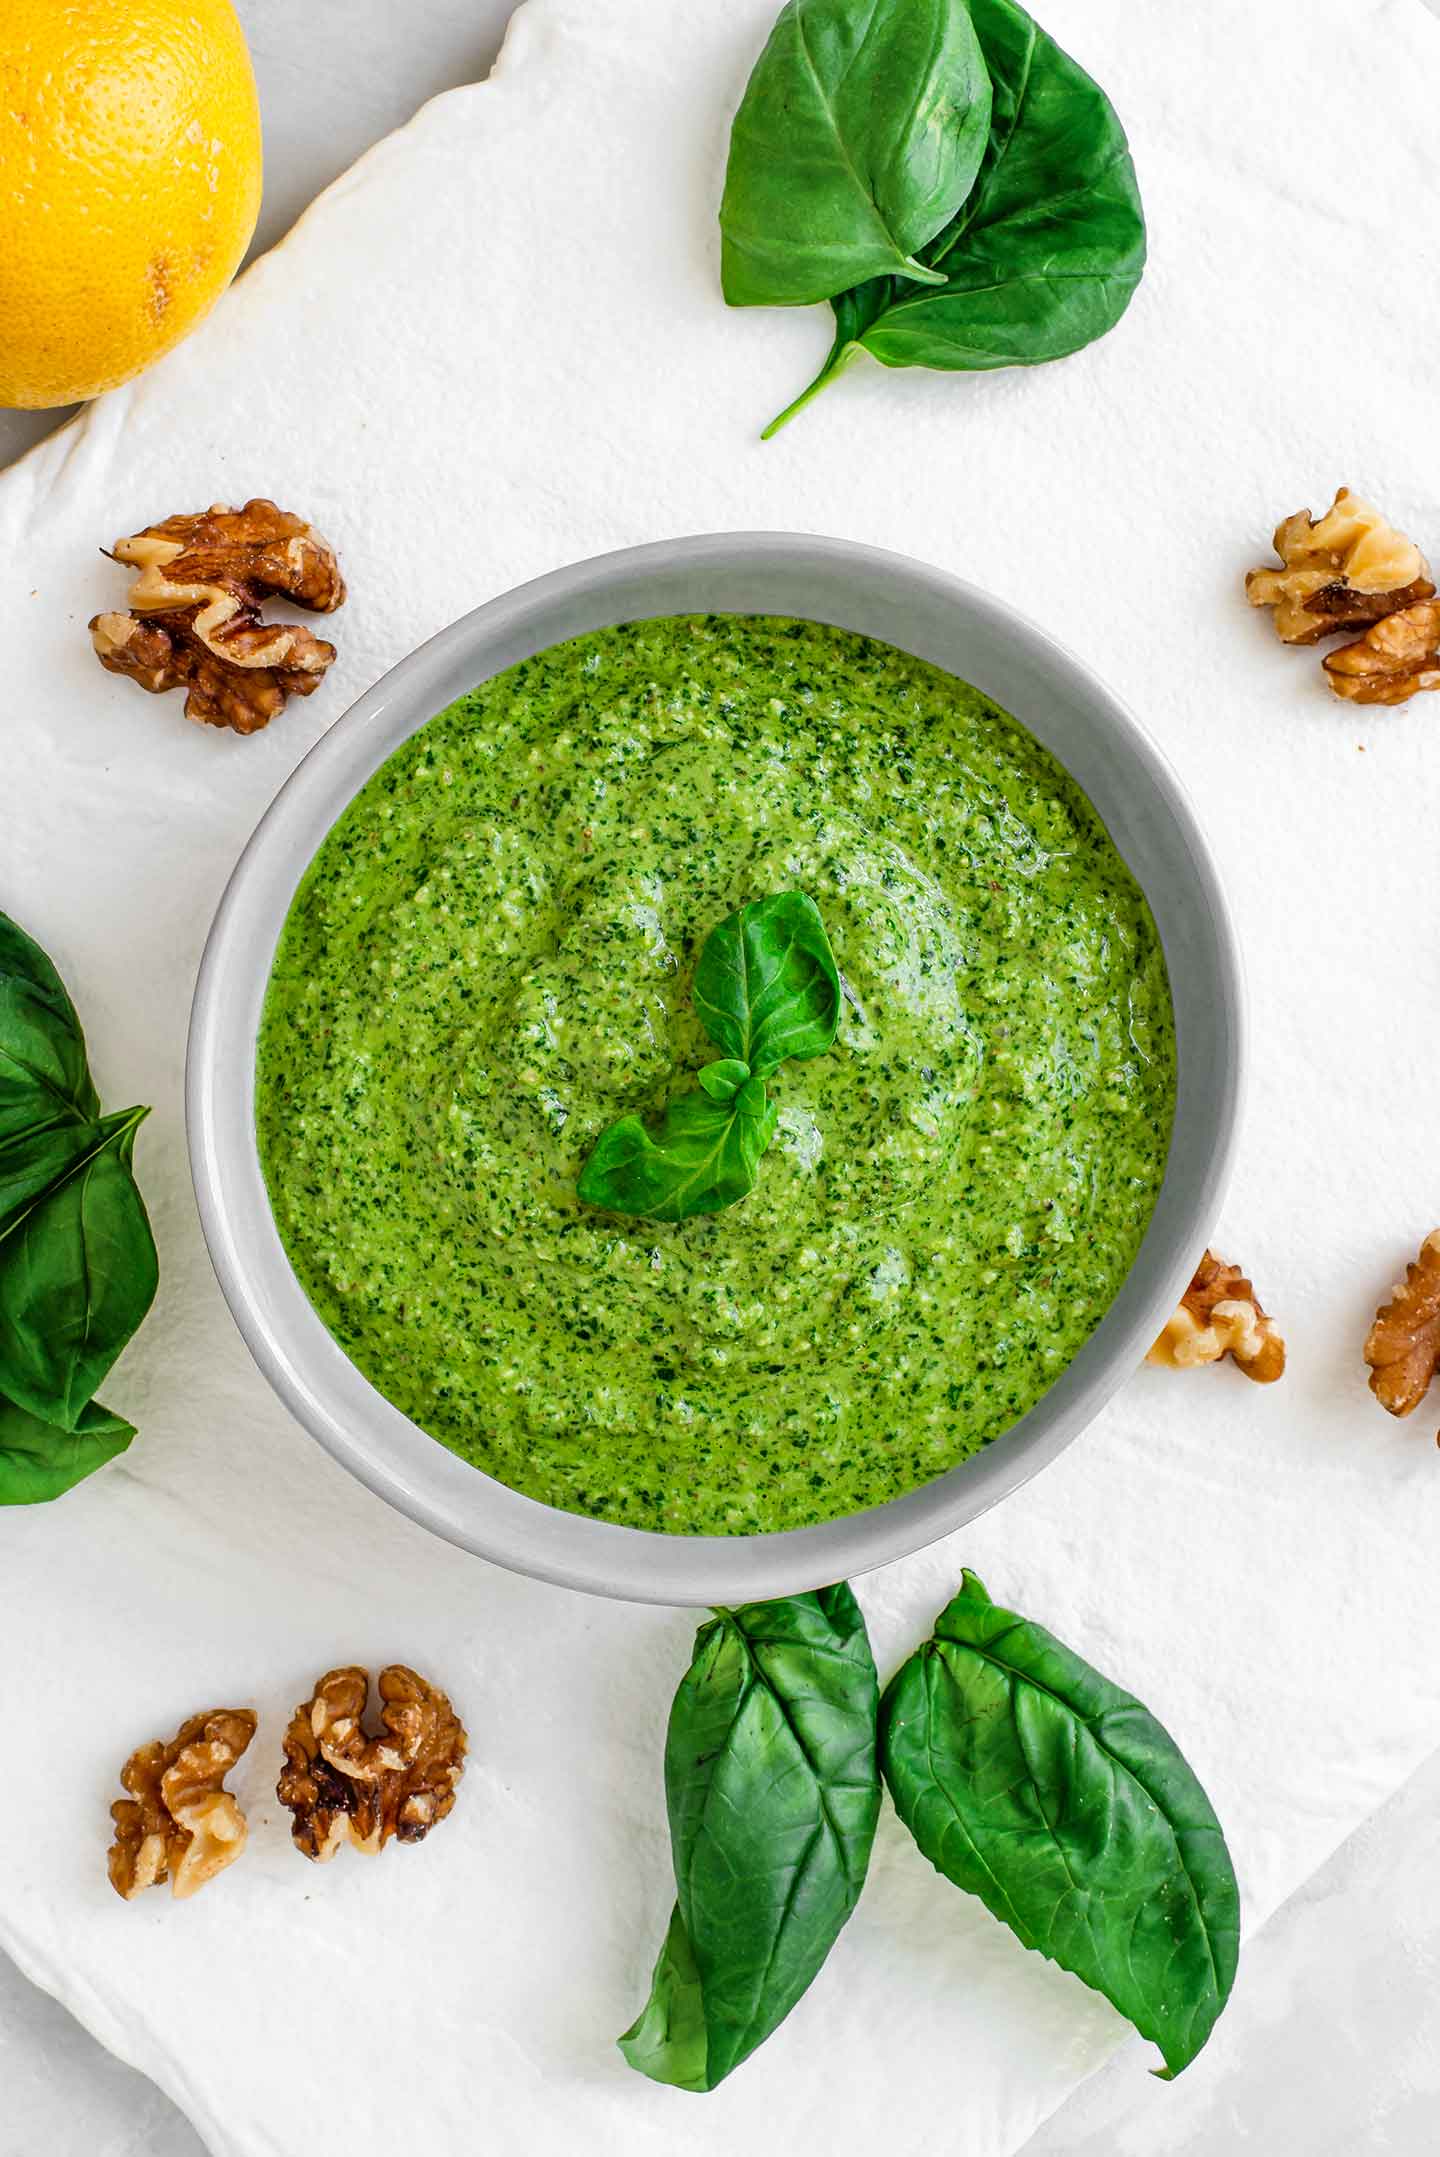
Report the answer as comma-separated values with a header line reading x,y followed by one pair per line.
x,y
1025,1777
77,1259
955,185
766,988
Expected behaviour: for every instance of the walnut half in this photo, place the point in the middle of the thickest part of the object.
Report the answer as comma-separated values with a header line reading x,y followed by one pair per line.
x,y
343,1785
240,676
1221,1315
182,560
180,1822
1351,568
1403,1346
1392,661
195,620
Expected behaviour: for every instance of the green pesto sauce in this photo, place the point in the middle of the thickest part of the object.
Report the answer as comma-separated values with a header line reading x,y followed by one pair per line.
x,y
489,960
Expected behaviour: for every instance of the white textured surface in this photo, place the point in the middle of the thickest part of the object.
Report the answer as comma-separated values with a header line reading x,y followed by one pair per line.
x,y
1328,2047
1241,1558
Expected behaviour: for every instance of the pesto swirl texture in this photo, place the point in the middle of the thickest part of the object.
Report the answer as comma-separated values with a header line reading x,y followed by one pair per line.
x,y
490,961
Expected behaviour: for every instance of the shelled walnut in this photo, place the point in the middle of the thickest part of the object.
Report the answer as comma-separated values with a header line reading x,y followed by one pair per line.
x,y
195,620
1392,661
343,1785
1221,1315
179,1821
1403,1346
1351,568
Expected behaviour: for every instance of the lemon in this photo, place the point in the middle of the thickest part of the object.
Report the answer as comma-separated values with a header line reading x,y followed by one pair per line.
x,y
129,184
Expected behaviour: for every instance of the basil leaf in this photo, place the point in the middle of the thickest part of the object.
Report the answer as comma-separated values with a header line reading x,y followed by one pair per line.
x,y
773,1794
667,2040
43,1071
724,1079
701,1156
38,1461
1045,255
77,1274
36,1159
77,1259
766,986
859,135
1031,1781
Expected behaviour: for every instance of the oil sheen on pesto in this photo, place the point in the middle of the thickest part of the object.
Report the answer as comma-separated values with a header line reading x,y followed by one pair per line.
x,y
489,960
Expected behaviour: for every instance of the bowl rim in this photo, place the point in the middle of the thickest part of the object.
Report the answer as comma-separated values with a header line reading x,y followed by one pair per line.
x,y
371,1438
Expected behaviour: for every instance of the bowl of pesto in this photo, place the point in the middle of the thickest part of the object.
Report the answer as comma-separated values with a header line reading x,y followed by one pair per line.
x,y
476,940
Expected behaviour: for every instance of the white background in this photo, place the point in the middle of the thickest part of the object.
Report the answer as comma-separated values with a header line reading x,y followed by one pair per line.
x,y
1331,2042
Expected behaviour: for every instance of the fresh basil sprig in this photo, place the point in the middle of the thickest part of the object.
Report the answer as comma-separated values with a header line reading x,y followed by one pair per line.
x,y
766,988
882,111
1040,248
1031,1781
773,1793
77,1260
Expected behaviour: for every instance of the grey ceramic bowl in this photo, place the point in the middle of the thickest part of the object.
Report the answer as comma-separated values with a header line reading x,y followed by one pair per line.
x,y
828,580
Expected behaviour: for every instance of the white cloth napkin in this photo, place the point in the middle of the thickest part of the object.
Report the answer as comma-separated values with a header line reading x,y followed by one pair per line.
x,y
497,345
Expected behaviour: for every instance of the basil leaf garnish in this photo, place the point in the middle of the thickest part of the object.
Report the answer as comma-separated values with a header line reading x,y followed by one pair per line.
x,y
700,1156
766,986
723,1079
77,1259
773,1793
859,135
1031,1781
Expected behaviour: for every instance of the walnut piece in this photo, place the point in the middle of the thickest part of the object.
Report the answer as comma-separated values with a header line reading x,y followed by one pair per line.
x,y
179,1821
1221,1315
1351,567
234,688
1403,1346
1392,661
195,617
343,1785
181,560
